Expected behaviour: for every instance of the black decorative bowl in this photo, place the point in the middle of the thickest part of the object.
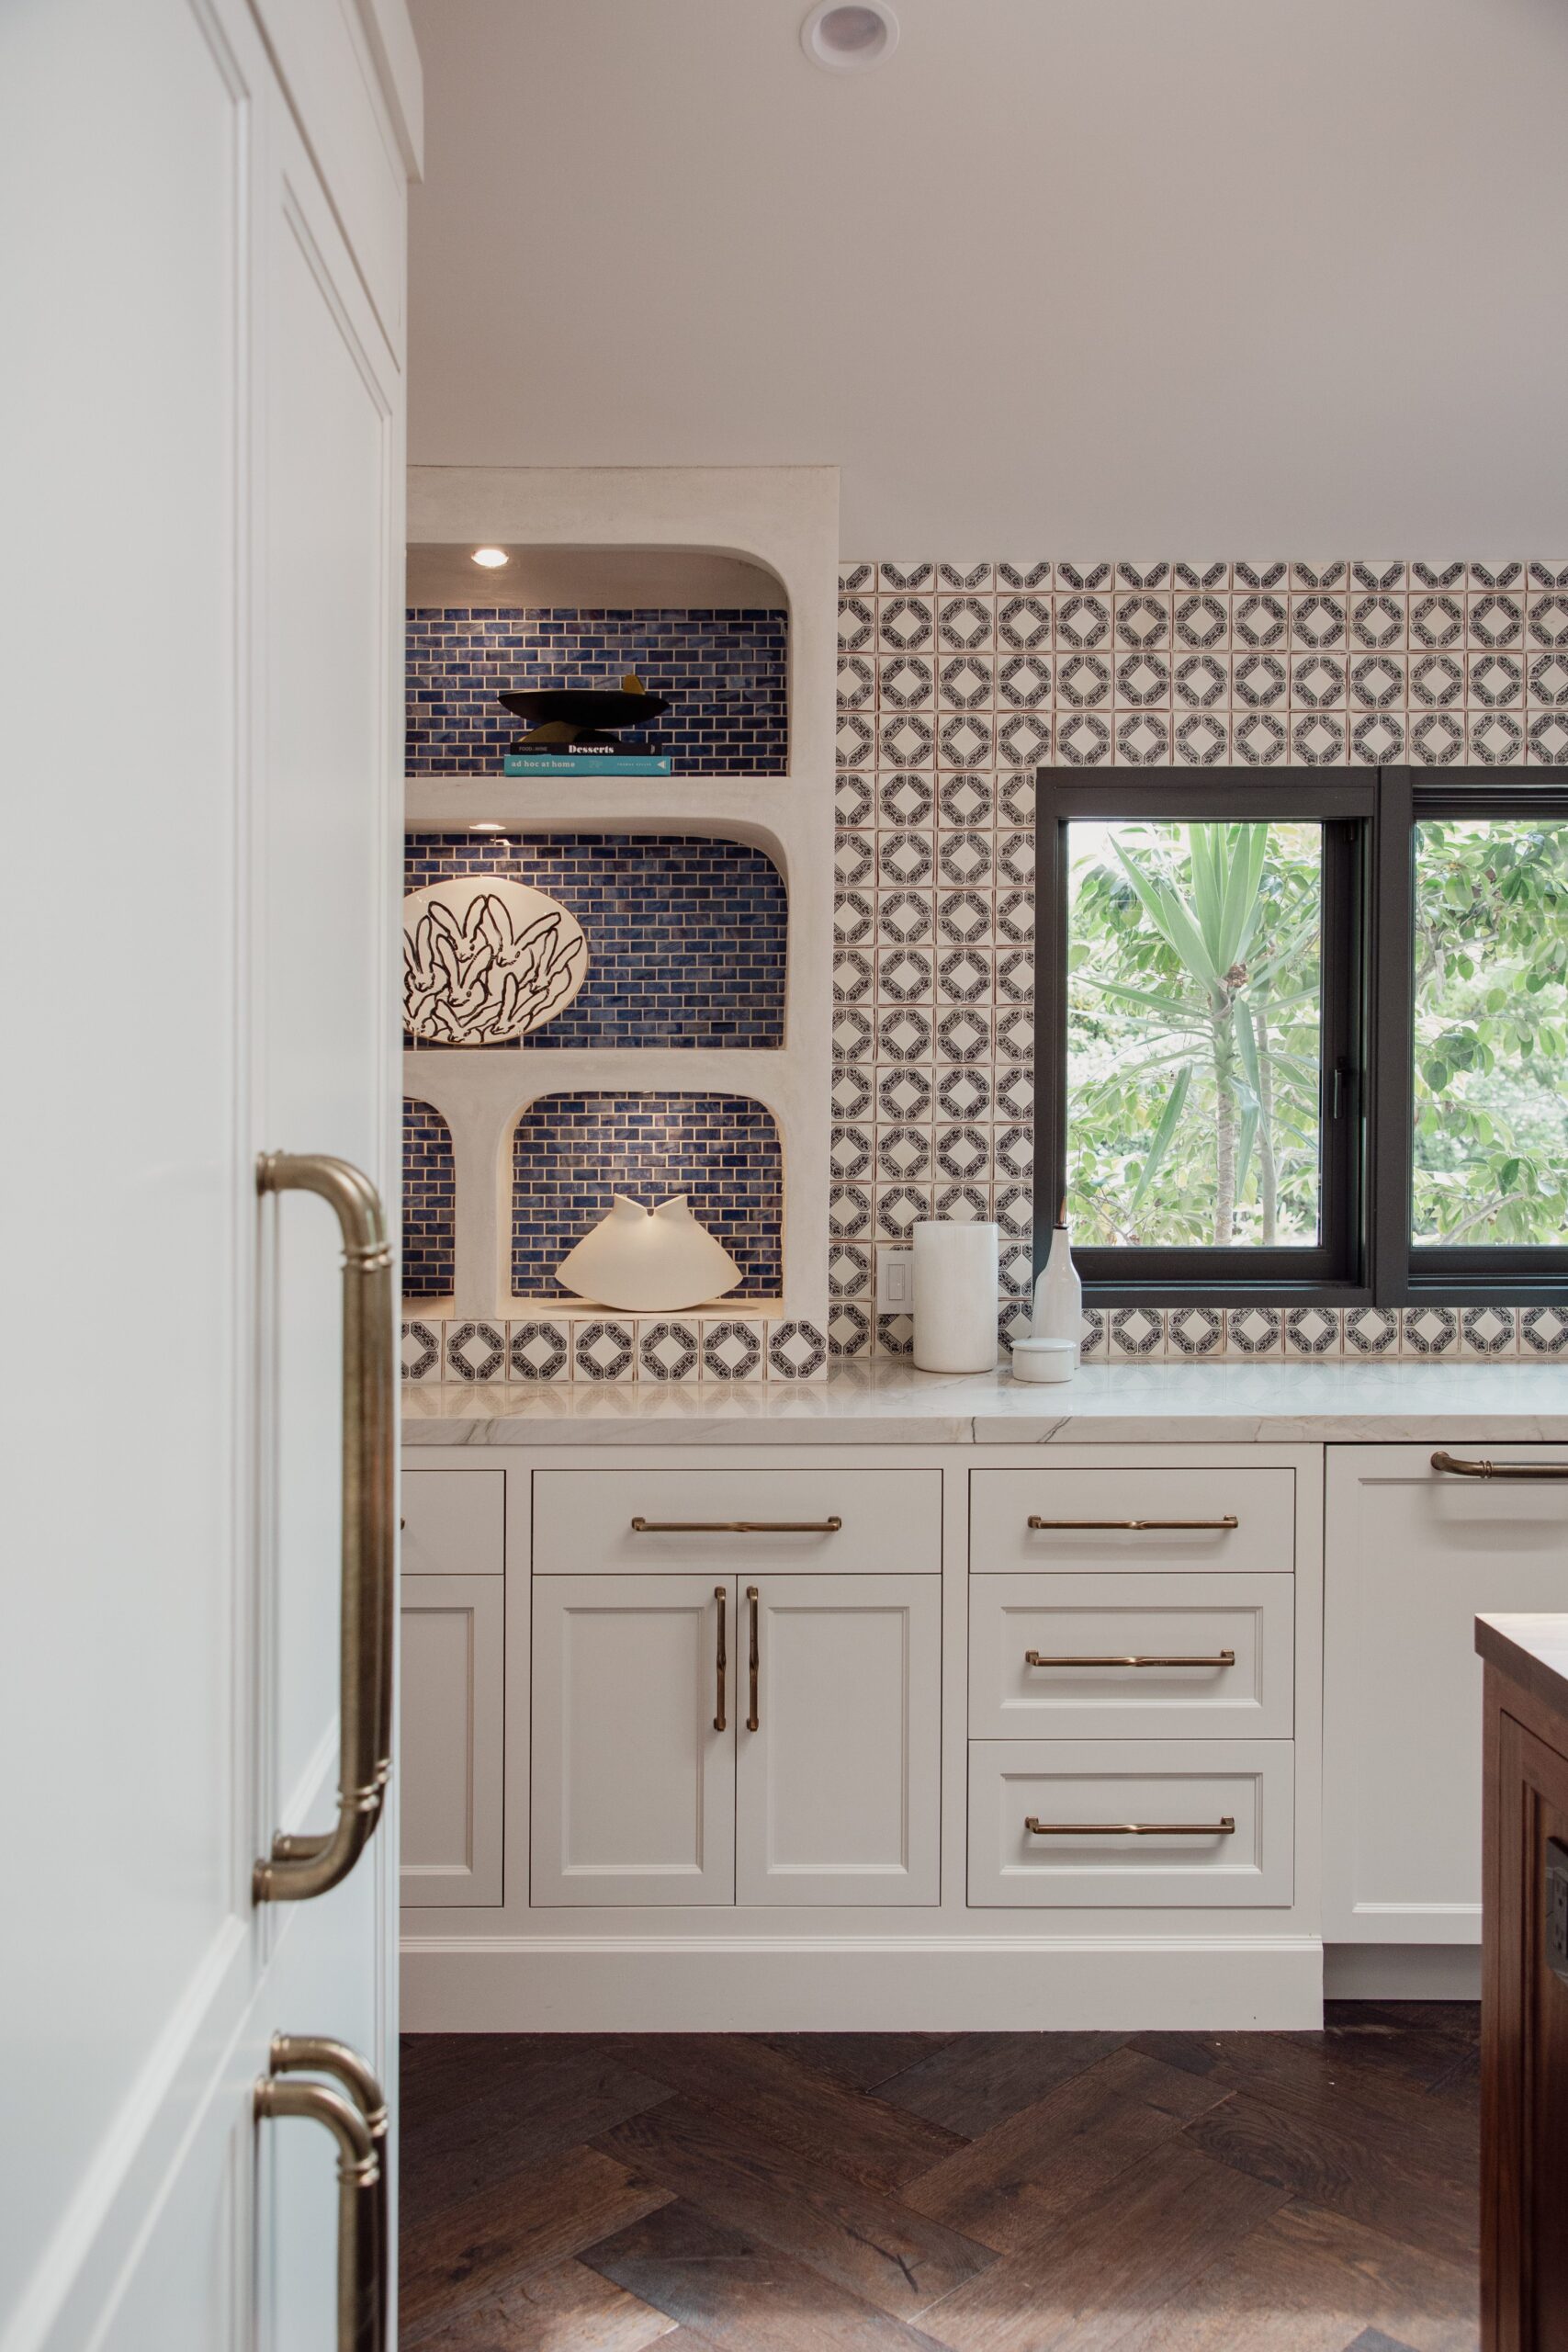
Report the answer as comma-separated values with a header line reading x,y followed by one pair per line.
x,y
563,706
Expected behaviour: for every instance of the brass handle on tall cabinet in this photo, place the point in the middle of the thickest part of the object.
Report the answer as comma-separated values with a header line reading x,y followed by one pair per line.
x,y
720,1660
1458,1469
753,1721
300,1867
316,2054
361,2215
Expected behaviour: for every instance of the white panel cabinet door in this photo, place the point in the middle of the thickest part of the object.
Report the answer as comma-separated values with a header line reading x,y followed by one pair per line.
x,y
634,1748
838,1762
1412,1554
451,1759
201,395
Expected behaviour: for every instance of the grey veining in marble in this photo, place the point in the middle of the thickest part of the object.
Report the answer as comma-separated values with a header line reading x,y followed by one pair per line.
x,y
885,1402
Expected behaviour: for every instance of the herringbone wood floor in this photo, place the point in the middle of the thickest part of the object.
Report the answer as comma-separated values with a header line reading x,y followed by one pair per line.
x,y
989,2192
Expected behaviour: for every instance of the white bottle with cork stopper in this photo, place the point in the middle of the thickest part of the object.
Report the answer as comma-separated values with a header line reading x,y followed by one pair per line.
x,y
1058,1293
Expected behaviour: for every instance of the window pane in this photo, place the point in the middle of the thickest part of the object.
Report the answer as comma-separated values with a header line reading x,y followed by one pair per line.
x,y
1194,1033
1491,1159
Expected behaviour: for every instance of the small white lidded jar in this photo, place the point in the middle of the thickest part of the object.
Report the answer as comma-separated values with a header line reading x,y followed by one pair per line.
x,y
1044,1359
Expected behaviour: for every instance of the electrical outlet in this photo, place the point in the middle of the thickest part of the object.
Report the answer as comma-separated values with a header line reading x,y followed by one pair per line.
x,y
895,1282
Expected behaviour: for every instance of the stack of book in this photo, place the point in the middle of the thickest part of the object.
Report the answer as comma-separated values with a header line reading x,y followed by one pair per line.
x,y
585,759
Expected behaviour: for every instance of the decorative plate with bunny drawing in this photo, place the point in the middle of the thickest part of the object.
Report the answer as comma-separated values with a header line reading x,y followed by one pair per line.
x,y
486,959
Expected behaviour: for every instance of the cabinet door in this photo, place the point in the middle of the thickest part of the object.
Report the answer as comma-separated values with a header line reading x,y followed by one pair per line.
x,y
837,1788
453,1738
1412,1554
634,1755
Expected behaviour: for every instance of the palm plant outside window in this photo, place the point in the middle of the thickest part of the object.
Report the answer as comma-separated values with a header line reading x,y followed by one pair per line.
x,y
1305,1036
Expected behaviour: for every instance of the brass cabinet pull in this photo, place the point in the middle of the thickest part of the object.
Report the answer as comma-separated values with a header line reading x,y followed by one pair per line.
x,y
300,1867
753,1721
736,1526
1223,1828
1220,1657
361,2216
1133,1526
297,2053
1458,1469
721,1659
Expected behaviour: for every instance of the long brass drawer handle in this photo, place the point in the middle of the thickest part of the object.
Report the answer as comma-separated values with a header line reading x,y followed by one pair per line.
x,y
300,1867
361,2304
754,1720
1458,1469
736,1526
1133,1526
1223,1828
1220,1657
721,1659
317,2054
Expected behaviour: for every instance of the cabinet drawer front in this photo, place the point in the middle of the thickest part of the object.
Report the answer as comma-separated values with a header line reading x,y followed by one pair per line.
x,y
1195,1784
890,1522
453,1522
1084,1516
1024,1633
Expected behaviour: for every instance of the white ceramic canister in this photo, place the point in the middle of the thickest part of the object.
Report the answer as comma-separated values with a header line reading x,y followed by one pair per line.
x,y
956,1283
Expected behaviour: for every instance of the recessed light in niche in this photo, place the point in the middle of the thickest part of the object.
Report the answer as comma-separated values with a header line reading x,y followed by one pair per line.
x,y
849,36
490,827
490,558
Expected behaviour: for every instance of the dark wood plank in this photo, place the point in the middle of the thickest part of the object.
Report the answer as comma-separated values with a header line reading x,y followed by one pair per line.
x,y
1348,2171
1310,2281
540,2214
495,2102
1307,2076
859,2060
568,2306
1170,2218
740,2293
845,2131
980,2079
899,2260
1020,2179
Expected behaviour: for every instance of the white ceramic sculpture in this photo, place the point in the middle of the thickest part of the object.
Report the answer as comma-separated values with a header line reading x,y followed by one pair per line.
x,y
645,1261
486,958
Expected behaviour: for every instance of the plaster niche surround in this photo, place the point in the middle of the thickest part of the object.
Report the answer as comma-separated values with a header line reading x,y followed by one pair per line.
x,y
784,519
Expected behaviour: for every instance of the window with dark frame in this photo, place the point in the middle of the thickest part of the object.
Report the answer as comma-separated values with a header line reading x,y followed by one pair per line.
x,y
1302,1035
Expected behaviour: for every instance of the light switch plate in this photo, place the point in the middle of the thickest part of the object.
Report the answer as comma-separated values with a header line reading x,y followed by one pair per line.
x,y
895,1282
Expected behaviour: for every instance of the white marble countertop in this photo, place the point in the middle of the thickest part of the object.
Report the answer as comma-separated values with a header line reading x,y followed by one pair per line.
x,y
1533,1649
886,1402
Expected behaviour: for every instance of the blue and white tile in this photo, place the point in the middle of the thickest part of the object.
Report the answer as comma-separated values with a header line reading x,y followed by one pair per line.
x,y
669,1349
1489,1332
603,1351
538,1349
1311,1333
1255,1331
1428,1331
1371,1331
474,1351
420,1350
734,1348
797,1350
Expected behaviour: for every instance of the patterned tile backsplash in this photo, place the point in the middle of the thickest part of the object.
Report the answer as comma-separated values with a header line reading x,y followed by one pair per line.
x,y
955,681
571,1151
430,1194
686,938
724,674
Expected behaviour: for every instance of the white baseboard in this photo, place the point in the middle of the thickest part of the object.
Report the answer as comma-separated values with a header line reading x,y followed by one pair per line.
x,y
1402,1971
647,1984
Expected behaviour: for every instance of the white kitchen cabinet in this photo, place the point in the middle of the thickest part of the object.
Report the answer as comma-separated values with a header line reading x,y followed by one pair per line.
x,y
1162,1656
453,1522
1412,1554
634,1756
837,1786
453,1739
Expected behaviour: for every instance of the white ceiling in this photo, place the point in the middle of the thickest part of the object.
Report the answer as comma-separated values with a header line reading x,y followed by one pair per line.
x,y
1064,277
